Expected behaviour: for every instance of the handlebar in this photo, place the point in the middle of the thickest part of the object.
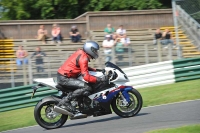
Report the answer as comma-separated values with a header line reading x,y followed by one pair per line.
x,y
112,75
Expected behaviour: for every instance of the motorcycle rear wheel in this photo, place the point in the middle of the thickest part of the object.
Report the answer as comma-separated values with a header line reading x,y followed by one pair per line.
x,y
130,110
46,117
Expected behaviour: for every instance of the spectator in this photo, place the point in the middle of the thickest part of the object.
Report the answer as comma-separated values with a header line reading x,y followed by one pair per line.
x,y
126,41
121,32
21,55
119,48
109,30
167,38
74,34
42,34
38,54
107,45
56,34
157,36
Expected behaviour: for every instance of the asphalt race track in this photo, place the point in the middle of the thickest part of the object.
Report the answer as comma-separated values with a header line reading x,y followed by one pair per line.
x,y
164,116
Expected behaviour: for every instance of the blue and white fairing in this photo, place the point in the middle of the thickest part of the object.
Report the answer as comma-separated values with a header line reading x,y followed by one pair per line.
x,y
118,77
108,94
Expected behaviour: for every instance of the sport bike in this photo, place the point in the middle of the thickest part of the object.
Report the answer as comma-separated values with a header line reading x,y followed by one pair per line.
x,y
124,100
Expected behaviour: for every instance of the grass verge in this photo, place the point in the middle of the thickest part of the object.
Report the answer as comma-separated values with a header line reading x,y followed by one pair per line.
x,y
177,92
183,129
17,118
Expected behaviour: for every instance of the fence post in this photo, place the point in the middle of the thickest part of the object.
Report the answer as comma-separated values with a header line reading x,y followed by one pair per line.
x,y
146,53
159,53
24,73
12,74
30,71
49,68
113,55
169,51
175,13
130,55
100,60
179,53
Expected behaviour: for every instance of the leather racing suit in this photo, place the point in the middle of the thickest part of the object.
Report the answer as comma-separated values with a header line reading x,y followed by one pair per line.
x,y
75,65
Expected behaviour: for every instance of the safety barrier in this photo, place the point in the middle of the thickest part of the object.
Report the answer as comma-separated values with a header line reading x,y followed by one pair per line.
x,y
140,76
164,72
20,97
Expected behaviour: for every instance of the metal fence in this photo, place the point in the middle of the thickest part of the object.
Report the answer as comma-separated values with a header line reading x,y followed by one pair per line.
x,y
13,75
187,14
191,7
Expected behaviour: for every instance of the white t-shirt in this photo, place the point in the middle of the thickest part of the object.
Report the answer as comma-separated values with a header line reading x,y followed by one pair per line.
x,y
125,40
107,45
121,31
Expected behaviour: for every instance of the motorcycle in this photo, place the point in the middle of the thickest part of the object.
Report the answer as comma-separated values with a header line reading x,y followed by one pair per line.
x,y
124,100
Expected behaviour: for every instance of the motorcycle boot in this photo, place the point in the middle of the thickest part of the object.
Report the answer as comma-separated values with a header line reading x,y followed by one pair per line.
x,y
66,102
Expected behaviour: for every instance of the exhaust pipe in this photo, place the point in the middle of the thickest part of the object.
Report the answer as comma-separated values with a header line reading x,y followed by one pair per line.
x,y
62,111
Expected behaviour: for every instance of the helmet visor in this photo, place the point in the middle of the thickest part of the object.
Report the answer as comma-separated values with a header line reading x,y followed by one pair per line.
x,y
95,52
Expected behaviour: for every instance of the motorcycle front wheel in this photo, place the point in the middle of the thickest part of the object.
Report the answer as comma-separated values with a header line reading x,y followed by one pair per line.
x,y
127,110
46,117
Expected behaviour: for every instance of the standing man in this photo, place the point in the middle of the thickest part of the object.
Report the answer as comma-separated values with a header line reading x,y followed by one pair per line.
x,y
107,45
38,54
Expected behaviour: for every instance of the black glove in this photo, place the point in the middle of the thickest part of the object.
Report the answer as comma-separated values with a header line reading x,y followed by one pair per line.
x,y
103,79
101,70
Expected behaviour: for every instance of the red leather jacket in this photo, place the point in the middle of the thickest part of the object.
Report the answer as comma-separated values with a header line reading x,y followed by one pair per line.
x,y
77,64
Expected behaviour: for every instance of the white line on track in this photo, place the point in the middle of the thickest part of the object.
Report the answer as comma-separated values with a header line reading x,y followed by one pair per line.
x,y
143,107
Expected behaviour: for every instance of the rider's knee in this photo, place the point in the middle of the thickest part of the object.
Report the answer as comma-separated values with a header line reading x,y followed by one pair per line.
x,y
86,93
87,87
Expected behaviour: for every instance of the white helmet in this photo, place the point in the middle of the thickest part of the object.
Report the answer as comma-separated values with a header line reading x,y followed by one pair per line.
x,y
91,48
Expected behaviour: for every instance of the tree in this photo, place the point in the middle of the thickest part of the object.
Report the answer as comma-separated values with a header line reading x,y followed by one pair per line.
x,y
62,9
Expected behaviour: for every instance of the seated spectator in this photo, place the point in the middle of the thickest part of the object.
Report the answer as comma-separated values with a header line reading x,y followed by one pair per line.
x,y
74,34
109,30
121,32
42,34
157,36
21,55
126,41
107,45
119,48
38,54
56,34
167,38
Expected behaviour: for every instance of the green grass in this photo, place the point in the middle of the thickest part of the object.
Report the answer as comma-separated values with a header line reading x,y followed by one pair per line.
x,y
177,92
184,129
182,91
17,118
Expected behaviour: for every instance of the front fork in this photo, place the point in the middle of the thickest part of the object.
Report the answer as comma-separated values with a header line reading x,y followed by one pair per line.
x,y
125,96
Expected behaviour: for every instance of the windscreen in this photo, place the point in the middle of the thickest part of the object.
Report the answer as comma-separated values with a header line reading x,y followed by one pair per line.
x,y
109,64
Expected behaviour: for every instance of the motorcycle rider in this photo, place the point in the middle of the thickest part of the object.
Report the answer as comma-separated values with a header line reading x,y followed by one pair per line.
x,y
75,65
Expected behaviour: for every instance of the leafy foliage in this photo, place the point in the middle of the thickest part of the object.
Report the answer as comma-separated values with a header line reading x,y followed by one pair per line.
x,y
62,9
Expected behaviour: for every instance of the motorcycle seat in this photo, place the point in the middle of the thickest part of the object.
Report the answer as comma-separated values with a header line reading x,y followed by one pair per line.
x,y
59,87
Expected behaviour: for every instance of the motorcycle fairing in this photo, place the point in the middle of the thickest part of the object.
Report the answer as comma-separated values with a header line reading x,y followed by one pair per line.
x,y
107,95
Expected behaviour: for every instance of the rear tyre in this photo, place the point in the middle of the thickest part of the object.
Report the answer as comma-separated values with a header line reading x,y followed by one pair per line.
x,y
46,117
132,109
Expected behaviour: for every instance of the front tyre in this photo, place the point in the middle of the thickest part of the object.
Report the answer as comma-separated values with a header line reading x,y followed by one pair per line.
x,y
131,109
46,117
